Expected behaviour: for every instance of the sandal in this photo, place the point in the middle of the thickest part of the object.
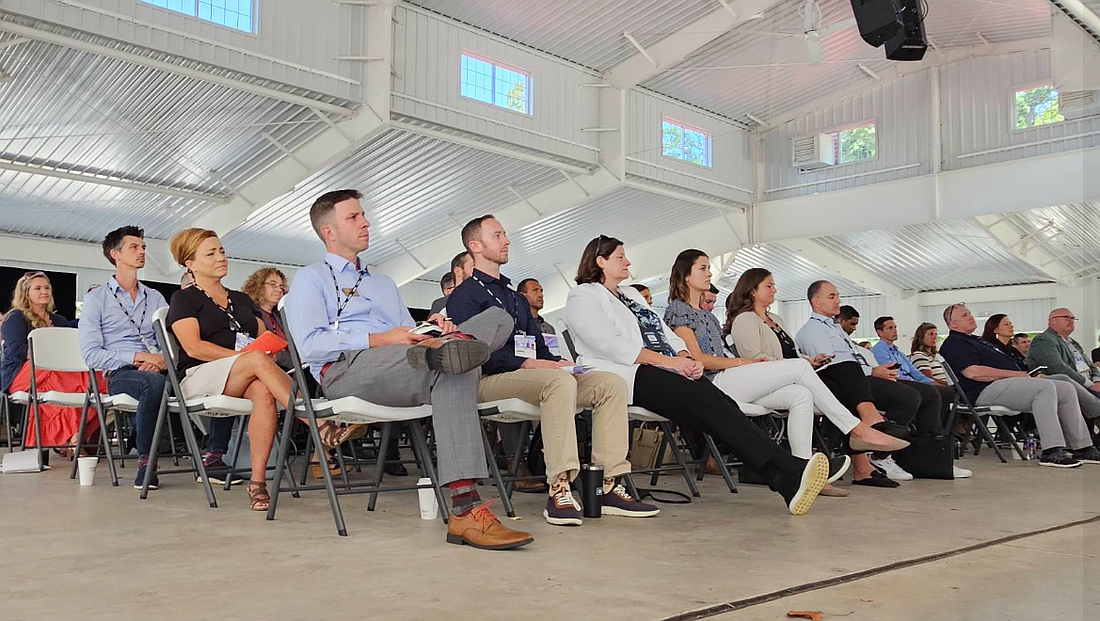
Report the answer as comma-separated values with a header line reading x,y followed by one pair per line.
x,y
333,435
258,497
333,466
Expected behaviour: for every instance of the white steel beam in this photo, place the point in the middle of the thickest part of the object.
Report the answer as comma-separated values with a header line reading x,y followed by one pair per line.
x,y
160,65
1013,240
835,263
1082,14
901,70
1003,187
109,181
423,258
670,50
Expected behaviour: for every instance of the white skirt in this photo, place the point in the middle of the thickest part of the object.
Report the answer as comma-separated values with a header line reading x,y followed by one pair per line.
x,y
208,378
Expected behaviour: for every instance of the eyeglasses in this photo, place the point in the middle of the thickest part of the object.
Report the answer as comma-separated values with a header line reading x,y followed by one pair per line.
x,y
1070,317
277,285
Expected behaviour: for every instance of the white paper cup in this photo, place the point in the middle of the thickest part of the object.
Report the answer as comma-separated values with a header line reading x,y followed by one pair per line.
x,y
86,467
429,507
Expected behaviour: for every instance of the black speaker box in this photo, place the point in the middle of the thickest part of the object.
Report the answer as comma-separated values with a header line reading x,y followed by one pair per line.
x,y
878,20
909,43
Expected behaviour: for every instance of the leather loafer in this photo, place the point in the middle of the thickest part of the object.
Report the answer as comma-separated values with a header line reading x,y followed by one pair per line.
x,y
861,446
877,479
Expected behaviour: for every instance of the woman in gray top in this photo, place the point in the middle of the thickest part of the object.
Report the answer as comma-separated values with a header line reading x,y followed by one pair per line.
x,y
788,384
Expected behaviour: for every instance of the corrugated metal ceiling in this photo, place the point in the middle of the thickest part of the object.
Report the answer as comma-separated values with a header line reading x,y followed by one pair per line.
x,y
1073,237
80,112
414,187
793,274
741,72
935,256
583,31
632,215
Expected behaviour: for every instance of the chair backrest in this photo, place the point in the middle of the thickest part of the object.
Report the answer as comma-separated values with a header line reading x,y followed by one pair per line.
x,y
168,345
298,371
56,349
569,344
960,396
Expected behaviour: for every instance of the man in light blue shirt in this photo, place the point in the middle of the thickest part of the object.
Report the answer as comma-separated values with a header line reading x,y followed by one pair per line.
x,y
116,336
355,333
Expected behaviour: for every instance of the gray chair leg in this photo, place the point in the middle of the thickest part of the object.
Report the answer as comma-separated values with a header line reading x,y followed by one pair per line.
x,y
80,437
679,456
495,472
281,465
196,456
154,451
712,448
380,464
424,459
236,452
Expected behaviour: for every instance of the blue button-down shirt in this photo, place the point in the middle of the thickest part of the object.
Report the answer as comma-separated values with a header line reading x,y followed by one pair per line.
x,y
311,309
823,335
887,354
108,337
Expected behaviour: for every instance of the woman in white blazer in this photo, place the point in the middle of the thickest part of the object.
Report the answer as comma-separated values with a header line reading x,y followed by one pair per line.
x,y
789,384
615,330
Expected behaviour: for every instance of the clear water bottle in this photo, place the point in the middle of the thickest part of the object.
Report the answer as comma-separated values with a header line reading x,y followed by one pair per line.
x,y
1030,449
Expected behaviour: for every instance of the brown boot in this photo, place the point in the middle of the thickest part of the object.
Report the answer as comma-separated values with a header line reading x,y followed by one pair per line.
x,y
452,354
481,529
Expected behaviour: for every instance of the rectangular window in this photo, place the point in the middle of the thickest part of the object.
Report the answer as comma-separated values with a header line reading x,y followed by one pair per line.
x,y
235,14
496,84
1037,106
855,144
685,142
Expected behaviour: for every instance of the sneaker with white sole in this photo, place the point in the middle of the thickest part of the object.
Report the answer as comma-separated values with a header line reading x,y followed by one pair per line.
x,y
891,469
961,473
1087,455
619,502
1058,457
562,509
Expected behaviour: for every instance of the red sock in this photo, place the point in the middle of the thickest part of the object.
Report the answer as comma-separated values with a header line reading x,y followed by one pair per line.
x,y
464,496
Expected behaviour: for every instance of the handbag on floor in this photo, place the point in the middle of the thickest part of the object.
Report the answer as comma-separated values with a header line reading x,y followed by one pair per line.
x,y
928,457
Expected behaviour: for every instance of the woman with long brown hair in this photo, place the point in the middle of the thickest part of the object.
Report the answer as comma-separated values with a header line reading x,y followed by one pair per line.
x,y
925,353
788,384
615,330
32,306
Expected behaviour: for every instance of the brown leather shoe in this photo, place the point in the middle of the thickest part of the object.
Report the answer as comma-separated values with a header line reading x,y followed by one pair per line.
x,y
453,354
481,529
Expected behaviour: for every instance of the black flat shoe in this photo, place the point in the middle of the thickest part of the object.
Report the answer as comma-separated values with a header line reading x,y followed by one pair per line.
x,y
396,469
877,479
893,429
838,466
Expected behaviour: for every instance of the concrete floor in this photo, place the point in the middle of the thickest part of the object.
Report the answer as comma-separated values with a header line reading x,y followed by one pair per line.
x,y
99,552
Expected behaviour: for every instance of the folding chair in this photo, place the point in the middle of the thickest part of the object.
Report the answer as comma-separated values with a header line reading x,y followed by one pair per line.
x,y
963,405
58,349
214,406
351,410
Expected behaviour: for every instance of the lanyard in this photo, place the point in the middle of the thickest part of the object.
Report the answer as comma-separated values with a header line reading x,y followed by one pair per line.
x,y
851,346
490,292
340,306
234,325
136,324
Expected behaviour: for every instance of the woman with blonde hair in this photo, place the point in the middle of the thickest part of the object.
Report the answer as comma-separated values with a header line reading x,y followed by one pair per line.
x,y
32,306
213,324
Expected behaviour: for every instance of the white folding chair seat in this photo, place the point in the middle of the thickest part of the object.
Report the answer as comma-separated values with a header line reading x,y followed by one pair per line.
x,y
642,415
21,397
995,410
510,411
356,411
68,399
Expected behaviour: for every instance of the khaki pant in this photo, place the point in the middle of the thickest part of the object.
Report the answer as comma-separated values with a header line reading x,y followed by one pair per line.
x,y
559,393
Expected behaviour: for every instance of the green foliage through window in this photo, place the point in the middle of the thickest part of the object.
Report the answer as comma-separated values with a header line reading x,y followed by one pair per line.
x,y
685,143
496,85
1037,106
855,144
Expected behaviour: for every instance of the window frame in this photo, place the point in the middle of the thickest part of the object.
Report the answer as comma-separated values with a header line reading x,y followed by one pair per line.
x,y
501,65
1029,86
837,129
695,128
255,32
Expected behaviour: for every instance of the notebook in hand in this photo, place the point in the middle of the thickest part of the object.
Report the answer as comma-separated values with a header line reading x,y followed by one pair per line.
x,y
268,342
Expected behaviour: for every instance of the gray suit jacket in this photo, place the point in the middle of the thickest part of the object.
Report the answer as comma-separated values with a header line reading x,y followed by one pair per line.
x,y
438,305
1052,351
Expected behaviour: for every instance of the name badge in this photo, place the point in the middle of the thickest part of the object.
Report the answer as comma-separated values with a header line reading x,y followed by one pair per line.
x,y
525,346
551,341
652,339
1082,366
243,340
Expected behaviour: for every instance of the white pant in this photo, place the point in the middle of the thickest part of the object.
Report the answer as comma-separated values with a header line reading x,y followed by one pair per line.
x,y
788,385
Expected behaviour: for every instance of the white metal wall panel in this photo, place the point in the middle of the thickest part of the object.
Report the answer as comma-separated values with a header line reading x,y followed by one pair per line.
x,y
796,313
427,59
730,174
902,114
296,42
979,114
1026,315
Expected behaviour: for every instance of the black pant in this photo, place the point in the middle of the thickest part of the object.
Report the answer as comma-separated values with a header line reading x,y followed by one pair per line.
x,y
702,406
935,407
898,402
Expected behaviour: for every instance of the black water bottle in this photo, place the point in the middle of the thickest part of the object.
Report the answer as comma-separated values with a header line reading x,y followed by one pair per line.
x,y
592,490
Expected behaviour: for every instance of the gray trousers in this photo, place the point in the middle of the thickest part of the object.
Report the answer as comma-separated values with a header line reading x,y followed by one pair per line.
x,y
382,376
1053,404
1089,401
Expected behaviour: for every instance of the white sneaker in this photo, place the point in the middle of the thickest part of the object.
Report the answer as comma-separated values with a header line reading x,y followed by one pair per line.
x,y
961,473
891,468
